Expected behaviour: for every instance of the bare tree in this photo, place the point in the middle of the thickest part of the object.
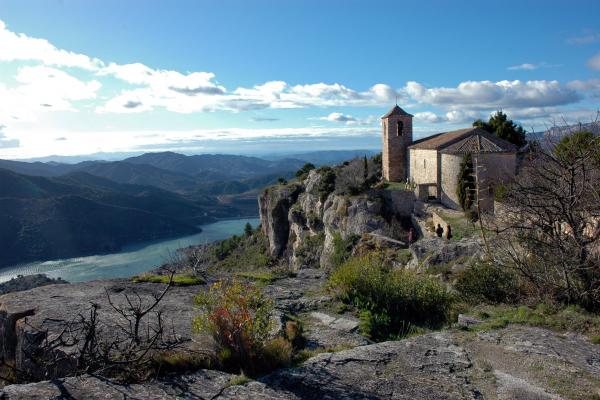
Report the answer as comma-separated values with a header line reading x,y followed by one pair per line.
x,y
549,225
88,344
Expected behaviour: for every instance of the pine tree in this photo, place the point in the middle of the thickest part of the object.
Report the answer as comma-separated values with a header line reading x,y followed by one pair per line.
x,y
248,229
504,128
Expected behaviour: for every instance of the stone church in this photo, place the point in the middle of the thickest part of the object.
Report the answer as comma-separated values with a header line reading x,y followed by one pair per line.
x,y
432,164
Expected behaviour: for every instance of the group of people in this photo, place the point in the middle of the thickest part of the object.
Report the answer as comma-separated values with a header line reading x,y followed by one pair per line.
x,y
439,231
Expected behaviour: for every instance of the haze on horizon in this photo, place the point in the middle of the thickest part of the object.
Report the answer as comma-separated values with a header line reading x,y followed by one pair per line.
x,y
259,77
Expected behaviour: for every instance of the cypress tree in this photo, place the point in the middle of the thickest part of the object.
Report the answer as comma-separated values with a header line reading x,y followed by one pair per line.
x,y
466,183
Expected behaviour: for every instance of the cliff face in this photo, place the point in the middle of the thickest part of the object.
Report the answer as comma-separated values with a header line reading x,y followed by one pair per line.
x,y
301,220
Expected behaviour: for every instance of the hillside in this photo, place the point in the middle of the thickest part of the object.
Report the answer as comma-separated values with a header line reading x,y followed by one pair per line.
x,y
78,214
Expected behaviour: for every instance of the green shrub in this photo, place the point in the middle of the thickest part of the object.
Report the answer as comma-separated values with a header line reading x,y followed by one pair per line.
x,y
246,252
342,248
303,172
484,282
327,182
390,301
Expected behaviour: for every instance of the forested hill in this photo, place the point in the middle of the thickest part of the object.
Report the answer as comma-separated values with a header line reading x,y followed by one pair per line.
x,y
46,218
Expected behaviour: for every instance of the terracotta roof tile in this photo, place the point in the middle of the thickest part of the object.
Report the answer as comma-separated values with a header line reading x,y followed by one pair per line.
x,y
465,140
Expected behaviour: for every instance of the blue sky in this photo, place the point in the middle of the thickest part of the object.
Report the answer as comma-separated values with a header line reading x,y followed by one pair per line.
x,y
81,77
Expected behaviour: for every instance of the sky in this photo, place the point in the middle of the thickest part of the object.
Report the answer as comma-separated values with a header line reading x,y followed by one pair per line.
x,y
264,76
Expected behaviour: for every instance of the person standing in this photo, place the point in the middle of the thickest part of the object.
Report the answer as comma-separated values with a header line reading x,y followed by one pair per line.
x,y
439,231
411,236
448,232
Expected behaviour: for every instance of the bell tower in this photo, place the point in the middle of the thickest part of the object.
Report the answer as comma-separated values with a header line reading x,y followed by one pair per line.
x,y
397,136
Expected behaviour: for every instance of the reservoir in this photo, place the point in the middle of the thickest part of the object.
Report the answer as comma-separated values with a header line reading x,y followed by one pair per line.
x,y
132,260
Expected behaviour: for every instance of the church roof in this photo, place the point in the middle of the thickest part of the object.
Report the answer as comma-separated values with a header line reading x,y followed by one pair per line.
x,y
396,111
468,140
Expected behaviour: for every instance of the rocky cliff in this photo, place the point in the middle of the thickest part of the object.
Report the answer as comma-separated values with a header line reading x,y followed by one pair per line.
x,y
302,220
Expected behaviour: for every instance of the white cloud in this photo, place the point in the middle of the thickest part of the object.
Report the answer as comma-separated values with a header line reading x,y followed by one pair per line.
x,y
20,47
531,67
593,37
488,94
5,142
525,66
338,117
428,116
40,142
594,62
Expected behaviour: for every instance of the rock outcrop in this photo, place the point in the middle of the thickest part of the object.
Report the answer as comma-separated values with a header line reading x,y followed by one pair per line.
x,y
304,219
436,251
274,205
21,283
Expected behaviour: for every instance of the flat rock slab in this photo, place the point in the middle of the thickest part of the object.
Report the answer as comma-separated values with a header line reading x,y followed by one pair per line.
x,y
337,323
25,315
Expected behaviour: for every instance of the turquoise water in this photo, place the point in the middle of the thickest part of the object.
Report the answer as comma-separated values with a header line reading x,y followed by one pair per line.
x,y
132,260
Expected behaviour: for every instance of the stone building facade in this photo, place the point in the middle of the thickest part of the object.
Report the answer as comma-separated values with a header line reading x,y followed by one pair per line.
x,y
433,164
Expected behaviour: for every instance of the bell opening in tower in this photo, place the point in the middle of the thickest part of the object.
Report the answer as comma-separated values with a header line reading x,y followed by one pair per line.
x,y
400,128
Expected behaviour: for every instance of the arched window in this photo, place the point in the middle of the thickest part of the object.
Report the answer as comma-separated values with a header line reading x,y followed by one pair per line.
x,y
400,128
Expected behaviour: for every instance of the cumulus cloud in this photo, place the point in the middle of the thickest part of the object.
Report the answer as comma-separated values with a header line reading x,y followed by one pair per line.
x,y
338,117
43,89
594,62
20,47
488,94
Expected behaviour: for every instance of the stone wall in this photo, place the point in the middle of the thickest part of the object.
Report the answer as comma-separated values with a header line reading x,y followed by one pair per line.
x,y
402,202
493,169
449,181
394,154
424,171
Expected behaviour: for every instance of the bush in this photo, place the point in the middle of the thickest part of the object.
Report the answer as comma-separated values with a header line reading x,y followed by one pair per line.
x,y
342,248
277,353
391,301
484,282
327,182
237,316
303,172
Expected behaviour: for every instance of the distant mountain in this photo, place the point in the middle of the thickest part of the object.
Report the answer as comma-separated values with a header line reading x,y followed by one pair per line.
x,y
555,133
77,214
211,167
325,157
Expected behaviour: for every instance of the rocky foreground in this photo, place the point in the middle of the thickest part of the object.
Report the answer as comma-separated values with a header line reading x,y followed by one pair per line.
x,y
512,363
516,362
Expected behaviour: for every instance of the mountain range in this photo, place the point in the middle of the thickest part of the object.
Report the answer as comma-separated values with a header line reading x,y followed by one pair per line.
x,y
51,210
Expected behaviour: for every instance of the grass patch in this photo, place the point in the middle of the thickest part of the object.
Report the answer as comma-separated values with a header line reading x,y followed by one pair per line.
x,y
305,354
264,277
461,226
398,186
178,280
559,318
240,379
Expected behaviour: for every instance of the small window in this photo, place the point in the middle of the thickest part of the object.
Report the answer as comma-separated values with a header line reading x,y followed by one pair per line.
x,y
400,128
424,163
